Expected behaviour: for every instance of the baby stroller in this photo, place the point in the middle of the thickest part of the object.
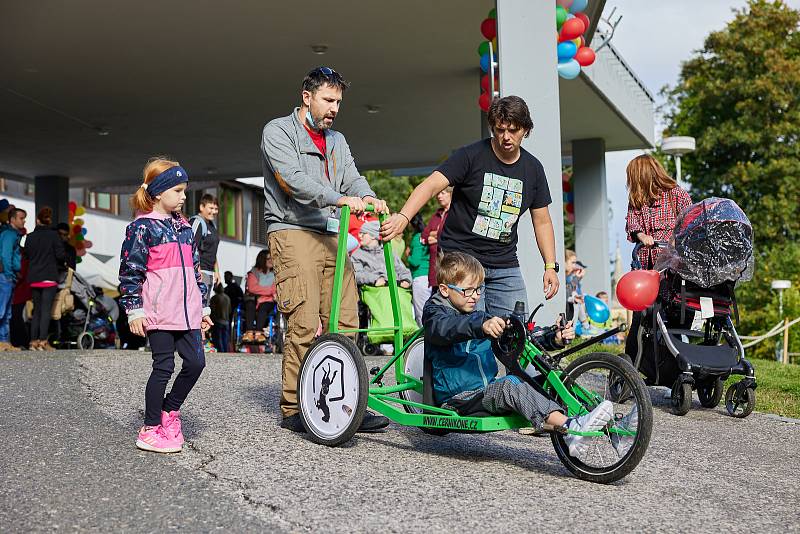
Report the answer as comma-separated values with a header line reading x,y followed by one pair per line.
x,y
712,251
91,323
274,332
375,312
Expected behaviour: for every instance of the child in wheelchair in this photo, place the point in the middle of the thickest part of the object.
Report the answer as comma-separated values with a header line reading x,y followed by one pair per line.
x,y
458,345
370,271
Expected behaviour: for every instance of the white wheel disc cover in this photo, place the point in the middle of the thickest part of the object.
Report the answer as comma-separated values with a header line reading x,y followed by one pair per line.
x,y
329,410
414,366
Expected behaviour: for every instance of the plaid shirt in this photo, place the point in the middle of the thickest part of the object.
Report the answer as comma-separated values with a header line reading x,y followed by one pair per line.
x,y
656,220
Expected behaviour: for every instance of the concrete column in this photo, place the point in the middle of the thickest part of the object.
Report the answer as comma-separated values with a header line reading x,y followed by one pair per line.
x,y
53,191
527,56
591,212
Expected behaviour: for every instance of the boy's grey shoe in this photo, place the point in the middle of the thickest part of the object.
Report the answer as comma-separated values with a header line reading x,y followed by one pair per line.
x,y
629,422
590,422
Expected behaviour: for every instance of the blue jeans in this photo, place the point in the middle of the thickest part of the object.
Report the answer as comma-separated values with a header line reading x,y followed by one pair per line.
x,y
504,287
6,289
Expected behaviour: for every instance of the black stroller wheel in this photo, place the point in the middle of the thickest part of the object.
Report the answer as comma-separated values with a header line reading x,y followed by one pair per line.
x,y
740,406
681,399
85,341
710,393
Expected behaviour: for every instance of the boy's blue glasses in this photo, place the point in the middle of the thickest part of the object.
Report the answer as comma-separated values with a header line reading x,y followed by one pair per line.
x,y
467,291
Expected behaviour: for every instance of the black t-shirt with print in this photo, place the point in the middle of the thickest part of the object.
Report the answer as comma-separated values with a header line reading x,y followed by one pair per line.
x,y
489,196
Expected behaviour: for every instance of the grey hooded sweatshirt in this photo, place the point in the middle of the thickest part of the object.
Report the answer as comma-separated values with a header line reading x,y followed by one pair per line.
x,y
297,192
369,265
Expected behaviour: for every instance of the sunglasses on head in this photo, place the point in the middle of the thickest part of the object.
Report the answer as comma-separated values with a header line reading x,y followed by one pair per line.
x,y
327,71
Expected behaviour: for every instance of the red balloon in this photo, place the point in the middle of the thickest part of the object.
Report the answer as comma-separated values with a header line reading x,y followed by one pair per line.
x,y
484,101
585,56
570,208
489,29
485,83
583,18
566,187
72,206
572,29
638,290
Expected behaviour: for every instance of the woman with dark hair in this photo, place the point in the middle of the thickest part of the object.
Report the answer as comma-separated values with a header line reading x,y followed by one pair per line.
x,y
259,299
45,252
418,262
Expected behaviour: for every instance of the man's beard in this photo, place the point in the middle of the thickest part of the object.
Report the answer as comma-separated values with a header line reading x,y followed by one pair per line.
x,y
319,124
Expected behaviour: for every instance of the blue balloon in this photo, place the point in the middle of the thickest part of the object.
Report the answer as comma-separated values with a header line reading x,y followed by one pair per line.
x,y
569,69
570,197
578,6
83,231
596,309
566,50
485,61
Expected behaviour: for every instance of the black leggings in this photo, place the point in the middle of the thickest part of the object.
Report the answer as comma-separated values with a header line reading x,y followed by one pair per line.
x,y
256,319
42,306
164,343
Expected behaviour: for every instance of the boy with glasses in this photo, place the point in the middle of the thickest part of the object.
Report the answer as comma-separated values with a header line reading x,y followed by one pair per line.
x,y
458,345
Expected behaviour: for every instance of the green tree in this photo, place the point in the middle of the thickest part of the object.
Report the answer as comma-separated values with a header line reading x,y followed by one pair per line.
x,y
739,96
395,190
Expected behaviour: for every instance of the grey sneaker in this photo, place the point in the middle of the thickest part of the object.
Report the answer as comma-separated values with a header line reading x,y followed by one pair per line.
x,y
590,422
630,422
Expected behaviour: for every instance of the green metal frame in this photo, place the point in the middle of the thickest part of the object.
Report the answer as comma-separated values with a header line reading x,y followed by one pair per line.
x,y
385,399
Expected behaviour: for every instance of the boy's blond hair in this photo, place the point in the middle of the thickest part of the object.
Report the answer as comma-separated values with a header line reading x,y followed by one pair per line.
x,y
454,267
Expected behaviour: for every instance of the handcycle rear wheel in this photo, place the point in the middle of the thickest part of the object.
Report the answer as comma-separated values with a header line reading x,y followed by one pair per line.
x,y
612,456
332,388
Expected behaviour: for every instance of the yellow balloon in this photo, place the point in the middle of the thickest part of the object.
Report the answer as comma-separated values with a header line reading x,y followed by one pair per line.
x,y
577,42
79,222
494,44
80,210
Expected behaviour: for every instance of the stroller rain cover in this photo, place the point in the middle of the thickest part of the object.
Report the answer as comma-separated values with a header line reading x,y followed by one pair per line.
x,y
712,243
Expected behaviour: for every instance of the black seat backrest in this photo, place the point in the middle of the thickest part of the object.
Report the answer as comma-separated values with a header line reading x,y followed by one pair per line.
x,y
427,382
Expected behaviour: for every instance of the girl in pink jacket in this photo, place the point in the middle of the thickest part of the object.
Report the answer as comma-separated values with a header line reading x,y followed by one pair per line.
x,y
164,297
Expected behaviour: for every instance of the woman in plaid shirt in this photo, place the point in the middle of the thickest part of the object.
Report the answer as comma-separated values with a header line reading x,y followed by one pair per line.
x,y
654,202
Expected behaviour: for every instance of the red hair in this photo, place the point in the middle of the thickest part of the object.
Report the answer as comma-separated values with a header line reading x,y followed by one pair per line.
x,y
141,201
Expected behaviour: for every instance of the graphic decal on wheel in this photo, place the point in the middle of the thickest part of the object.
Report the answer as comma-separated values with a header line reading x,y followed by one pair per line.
x,y
326,380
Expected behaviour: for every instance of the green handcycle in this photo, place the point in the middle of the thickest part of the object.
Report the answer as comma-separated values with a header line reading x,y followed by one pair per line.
x,y
334,388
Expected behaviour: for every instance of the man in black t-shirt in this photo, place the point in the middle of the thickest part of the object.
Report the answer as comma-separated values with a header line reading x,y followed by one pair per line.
x,y
494,182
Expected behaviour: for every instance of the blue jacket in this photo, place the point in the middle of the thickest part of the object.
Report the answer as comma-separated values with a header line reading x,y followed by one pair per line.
x,y
10,253
460,353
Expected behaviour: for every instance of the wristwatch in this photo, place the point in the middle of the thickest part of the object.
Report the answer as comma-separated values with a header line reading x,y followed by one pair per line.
x,y
553,266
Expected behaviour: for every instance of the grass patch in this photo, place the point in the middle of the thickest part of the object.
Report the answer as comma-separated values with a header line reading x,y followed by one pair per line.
x,y
778,390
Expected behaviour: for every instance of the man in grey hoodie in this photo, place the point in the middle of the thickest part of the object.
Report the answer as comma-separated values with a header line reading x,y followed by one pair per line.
x,y
309,172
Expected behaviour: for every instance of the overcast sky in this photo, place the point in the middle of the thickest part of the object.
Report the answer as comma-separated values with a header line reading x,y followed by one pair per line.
x,y
654,37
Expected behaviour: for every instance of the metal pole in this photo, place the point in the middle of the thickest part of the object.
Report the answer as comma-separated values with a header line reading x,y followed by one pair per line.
x,y
678,166
786,341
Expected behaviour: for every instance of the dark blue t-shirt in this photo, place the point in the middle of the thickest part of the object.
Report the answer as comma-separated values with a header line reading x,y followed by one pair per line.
x,y
489,197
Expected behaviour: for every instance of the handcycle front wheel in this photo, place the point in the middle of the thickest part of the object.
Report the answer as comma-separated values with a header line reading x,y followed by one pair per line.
x,y
624,441
332,389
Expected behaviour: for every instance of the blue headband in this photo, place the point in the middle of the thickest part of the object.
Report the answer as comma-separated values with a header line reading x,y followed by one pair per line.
x,y
166,180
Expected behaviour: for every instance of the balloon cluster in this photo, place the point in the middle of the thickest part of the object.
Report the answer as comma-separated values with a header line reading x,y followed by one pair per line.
x,y
489,32
77,234
569,196
572,23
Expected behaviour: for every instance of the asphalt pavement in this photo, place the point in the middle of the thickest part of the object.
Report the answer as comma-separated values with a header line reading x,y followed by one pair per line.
x,y
69,463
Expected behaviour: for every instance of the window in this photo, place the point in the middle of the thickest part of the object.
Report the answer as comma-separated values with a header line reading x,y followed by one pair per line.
x,y
230,210
259,226
102,202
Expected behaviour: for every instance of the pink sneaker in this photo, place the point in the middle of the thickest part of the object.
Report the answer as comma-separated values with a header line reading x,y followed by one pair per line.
x,y
171,423
154,438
